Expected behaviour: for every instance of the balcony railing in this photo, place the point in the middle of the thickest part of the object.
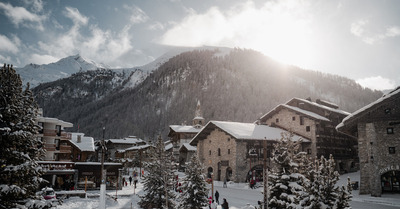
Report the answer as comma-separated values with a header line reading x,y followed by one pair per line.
x,y
62,135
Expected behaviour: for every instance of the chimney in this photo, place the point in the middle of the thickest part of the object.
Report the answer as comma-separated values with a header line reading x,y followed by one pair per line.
x,y
79,139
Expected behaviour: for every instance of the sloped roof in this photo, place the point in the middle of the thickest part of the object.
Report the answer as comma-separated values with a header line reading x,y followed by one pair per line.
x,y
320,106
295,109
86,144
54,121
139,147
188,147
184,129
247,131
359,113
127,140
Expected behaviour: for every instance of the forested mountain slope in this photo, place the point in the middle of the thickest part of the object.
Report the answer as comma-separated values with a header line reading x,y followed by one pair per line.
x,y
240,86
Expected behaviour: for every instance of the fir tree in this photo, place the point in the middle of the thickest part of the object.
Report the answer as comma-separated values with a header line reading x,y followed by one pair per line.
x,y
345,196
285,182
321,185
158,181
195,189
20,149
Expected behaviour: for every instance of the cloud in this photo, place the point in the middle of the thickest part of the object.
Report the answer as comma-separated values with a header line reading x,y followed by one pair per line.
x,y
280,29
359,29
7,45
75,16
21,16
37,5
42,59
377,82
137,15
101,45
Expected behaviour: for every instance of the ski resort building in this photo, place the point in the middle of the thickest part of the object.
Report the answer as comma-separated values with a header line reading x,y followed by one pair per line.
x,y
180,136
56,140
115,146
316,121
82,148
234,151
377,128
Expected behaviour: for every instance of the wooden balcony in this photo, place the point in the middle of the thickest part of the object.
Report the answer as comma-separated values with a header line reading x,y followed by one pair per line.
x,y
53,132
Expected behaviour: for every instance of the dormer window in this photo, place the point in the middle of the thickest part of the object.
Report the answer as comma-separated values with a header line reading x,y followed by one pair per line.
x,y
388,111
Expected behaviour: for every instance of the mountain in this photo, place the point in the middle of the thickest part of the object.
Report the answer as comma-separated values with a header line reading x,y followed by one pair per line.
x,y
36,74
235,85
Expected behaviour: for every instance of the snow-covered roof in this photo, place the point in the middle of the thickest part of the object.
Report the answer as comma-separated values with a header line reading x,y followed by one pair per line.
x,y
138,147
188,147
305,112
184,129
86,144
321,106
248,131
357,113
298,110
168,146
127,140
54,121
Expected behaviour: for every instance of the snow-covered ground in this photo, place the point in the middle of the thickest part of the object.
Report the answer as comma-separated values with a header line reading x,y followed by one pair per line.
x,y
237,195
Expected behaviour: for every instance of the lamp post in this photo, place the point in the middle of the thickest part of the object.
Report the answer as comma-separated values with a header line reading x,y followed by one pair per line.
x,y
102,204
212,186
265,174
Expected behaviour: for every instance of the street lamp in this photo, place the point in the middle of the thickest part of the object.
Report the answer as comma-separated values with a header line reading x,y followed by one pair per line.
x,y
102,204
265,174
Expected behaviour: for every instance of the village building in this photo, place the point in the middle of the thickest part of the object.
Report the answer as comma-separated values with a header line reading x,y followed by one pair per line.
x,y
377,128
181,135
55,139
115,146
233,151
316,121
82,147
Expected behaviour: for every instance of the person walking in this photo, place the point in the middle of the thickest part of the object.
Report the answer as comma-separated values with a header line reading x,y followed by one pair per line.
x,y
225,183
130,180
225,204
217,196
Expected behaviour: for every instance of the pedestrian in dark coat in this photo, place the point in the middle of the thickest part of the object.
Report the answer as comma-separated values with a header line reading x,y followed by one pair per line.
x,y
130,180
225,204
217,196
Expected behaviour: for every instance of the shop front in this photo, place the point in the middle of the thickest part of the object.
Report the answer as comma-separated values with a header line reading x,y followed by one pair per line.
x,y
89,175
390,179
59,175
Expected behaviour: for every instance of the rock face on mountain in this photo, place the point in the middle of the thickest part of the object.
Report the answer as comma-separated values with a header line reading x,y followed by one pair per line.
x,y
238,86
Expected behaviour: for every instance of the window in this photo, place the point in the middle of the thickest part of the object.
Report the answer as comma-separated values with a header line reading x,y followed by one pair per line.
x,y
219,152
309,151
58,129
229,139
277,120
209,141
293,118
389,131
57,143
388,111
308,128
392,150
229,151
301,120
209,152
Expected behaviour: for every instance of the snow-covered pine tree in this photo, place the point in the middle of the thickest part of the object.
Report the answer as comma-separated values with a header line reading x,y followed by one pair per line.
x,y
321,185
20,149
285,181
327,179
158,182
194,187
345,196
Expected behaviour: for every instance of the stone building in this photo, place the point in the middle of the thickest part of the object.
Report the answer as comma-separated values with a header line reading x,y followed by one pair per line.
x,y
180,136
234,151
377,128
316,121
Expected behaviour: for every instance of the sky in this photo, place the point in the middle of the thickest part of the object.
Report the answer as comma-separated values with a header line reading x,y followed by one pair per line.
x,y
358,39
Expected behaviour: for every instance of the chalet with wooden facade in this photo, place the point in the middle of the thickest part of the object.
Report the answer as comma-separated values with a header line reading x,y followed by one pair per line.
x,y
377,128
234,151
316,121
182,134
82,147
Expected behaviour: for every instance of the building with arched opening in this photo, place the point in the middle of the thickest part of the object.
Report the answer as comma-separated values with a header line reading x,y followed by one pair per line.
x,y
377,128
234,150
